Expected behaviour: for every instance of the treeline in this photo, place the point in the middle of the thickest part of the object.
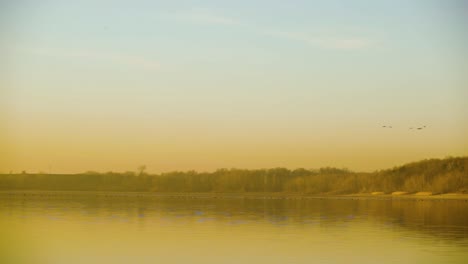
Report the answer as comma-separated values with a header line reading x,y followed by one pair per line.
x,y
435,175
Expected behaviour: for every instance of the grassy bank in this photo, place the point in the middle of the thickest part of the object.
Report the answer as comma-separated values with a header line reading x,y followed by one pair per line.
x,y
184,195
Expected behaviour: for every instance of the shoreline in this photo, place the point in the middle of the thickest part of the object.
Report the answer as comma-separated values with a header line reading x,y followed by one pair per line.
x,y
212,195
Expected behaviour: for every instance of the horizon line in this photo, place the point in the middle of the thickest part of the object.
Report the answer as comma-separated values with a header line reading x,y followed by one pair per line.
x,y
234,168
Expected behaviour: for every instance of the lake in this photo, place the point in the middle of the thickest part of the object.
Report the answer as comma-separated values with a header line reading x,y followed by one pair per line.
x,y
130,229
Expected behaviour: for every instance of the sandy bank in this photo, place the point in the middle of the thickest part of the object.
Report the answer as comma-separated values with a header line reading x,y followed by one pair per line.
x,y
374,195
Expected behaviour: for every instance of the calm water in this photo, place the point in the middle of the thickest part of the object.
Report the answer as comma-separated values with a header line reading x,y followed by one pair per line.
x,y
90,229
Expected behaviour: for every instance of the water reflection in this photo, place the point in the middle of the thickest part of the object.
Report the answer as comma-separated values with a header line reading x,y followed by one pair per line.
x,y
432,230
439,218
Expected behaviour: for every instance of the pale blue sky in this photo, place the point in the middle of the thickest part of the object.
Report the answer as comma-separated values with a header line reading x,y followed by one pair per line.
x,y
199,84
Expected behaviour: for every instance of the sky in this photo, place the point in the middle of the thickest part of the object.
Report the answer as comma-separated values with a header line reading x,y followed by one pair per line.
x,y
182,85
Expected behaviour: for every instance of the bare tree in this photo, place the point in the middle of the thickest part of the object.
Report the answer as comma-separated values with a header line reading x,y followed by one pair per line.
x,y
141,169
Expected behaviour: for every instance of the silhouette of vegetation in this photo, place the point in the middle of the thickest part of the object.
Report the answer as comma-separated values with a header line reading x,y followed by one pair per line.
x,y
434,175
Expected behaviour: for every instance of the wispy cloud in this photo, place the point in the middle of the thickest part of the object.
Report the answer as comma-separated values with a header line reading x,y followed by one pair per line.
x,y
214,17
130,60
201,16
342,43
353,43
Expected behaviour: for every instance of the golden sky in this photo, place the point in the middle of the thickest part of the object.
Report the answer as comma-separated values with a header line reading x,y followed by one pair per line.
x,y
179,86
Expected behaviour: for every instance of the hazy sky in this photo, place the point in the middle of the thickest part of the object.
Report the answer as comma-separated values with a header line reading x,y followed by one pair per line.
x,y
178,85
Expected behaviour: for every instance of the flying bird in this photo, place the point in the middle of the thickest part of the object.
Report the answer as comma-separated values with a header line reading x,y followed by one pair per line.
x,y
418,128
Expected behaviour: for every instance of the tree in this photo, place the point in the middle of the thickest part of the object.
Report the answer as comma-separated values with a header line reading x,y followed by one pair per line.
x,y
141,169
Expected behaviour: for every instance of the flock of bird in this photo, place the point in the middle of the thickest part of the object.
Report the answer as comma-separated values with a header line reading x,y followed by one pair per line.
x,y
417,128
